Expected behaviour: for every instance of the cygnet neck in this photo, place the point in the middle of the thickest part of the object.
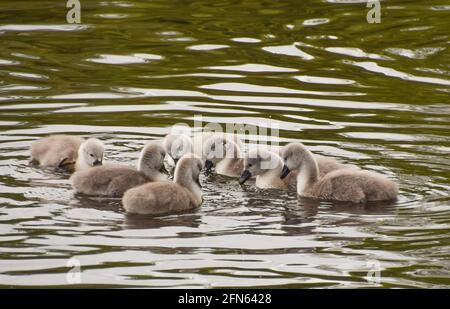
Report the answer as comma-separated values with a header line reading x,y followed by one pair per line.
x,y
308,172
183,177
81,163
152,174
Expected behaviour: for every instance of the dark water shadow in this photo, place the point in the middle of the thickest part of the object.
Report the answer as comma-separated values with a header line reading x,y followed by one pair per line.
x,y
97,202
312,207
134,221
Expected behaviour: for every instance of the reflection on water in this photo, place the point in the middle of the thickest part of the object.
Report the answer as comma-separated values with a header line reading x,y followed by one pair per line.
x,y
376,96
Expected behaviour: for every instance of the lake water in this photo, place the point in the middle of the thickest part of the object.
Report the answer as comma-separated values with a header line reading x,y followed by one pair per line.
x,y
373,95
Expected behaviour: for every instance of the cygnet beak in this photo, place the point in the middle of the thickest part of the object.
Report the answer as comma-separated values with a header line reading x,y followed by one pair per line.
x,y
163,169
208,165
284,172
244,176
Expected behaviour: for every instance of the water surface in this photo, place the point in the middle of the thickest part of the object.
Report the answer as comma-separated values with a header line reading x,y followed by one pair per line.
x,y
373,95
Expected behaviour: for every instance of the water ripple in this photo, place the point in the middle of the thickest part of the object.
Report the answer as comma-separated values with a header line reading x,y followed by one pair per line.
x,y
324,76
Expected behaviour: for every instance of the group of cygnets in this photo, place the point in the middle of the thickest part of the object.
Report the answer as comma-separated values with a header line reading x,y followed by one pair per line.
x,y
147,189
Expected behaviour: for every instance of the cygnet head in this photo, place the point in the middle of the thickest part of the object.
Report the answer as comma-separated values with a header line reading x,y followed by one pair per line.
x,y
293,156
151,161
257,162
188,169
177,145
90,153
216,148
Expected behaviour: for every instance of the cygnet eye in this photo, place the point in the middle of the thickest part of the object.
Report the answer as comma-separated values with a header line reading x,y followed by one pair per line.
x,y
249,165
91,155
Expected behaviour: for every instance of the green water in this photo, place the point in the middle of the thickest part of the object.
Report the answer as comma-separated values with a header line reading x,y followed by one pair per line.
x,y
373,95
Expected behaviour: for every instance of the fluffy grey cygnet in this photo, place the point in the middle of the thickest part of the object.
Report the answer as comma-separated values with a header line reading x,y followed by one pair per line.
x,y
114,180
160,198
67,152
349,185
